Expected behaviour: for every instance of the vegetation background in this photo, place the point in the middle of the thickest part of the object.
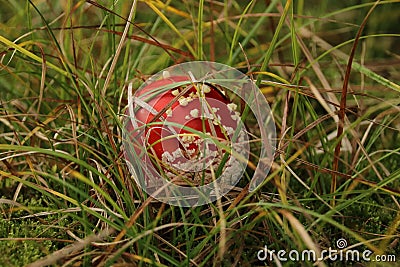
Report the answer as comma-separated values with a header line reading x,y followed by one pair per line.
x,y
66,195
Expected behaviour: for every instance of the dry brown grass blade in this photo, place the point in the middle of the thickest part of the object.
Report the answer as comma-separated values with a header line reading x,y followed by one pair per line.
x,y
119,48
129,224
42,79
342,109
392,229
281,180
134,25
154,43
132,221
302,232
67,251
175,248
77,246
212,37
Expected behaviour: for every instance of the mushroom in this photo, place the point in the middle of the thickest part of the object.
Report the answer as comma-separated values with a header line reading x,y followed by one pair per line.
x,y
187,127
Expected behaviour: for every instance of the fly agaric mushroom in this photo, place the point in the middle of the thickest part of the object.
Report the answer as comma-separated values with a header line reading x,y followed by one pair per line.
x,y
188,127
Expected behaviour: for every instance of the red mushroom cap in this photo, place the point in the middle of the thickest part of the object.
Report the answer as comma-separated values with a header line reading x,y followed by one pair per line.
x,y
172,138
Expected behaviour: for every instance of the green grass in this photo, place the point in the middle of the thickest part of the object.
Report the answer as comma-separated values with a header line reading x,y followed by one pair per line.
x,y
65,188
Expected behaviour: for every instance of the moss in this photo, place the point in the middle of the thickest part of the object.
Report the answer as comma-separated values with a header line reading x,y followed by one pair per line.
x,y
17,247
24,240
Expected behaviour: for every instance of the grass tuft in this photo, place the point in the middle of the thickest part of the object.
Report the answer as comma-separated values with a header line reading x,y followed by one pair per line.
x,y
329,70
